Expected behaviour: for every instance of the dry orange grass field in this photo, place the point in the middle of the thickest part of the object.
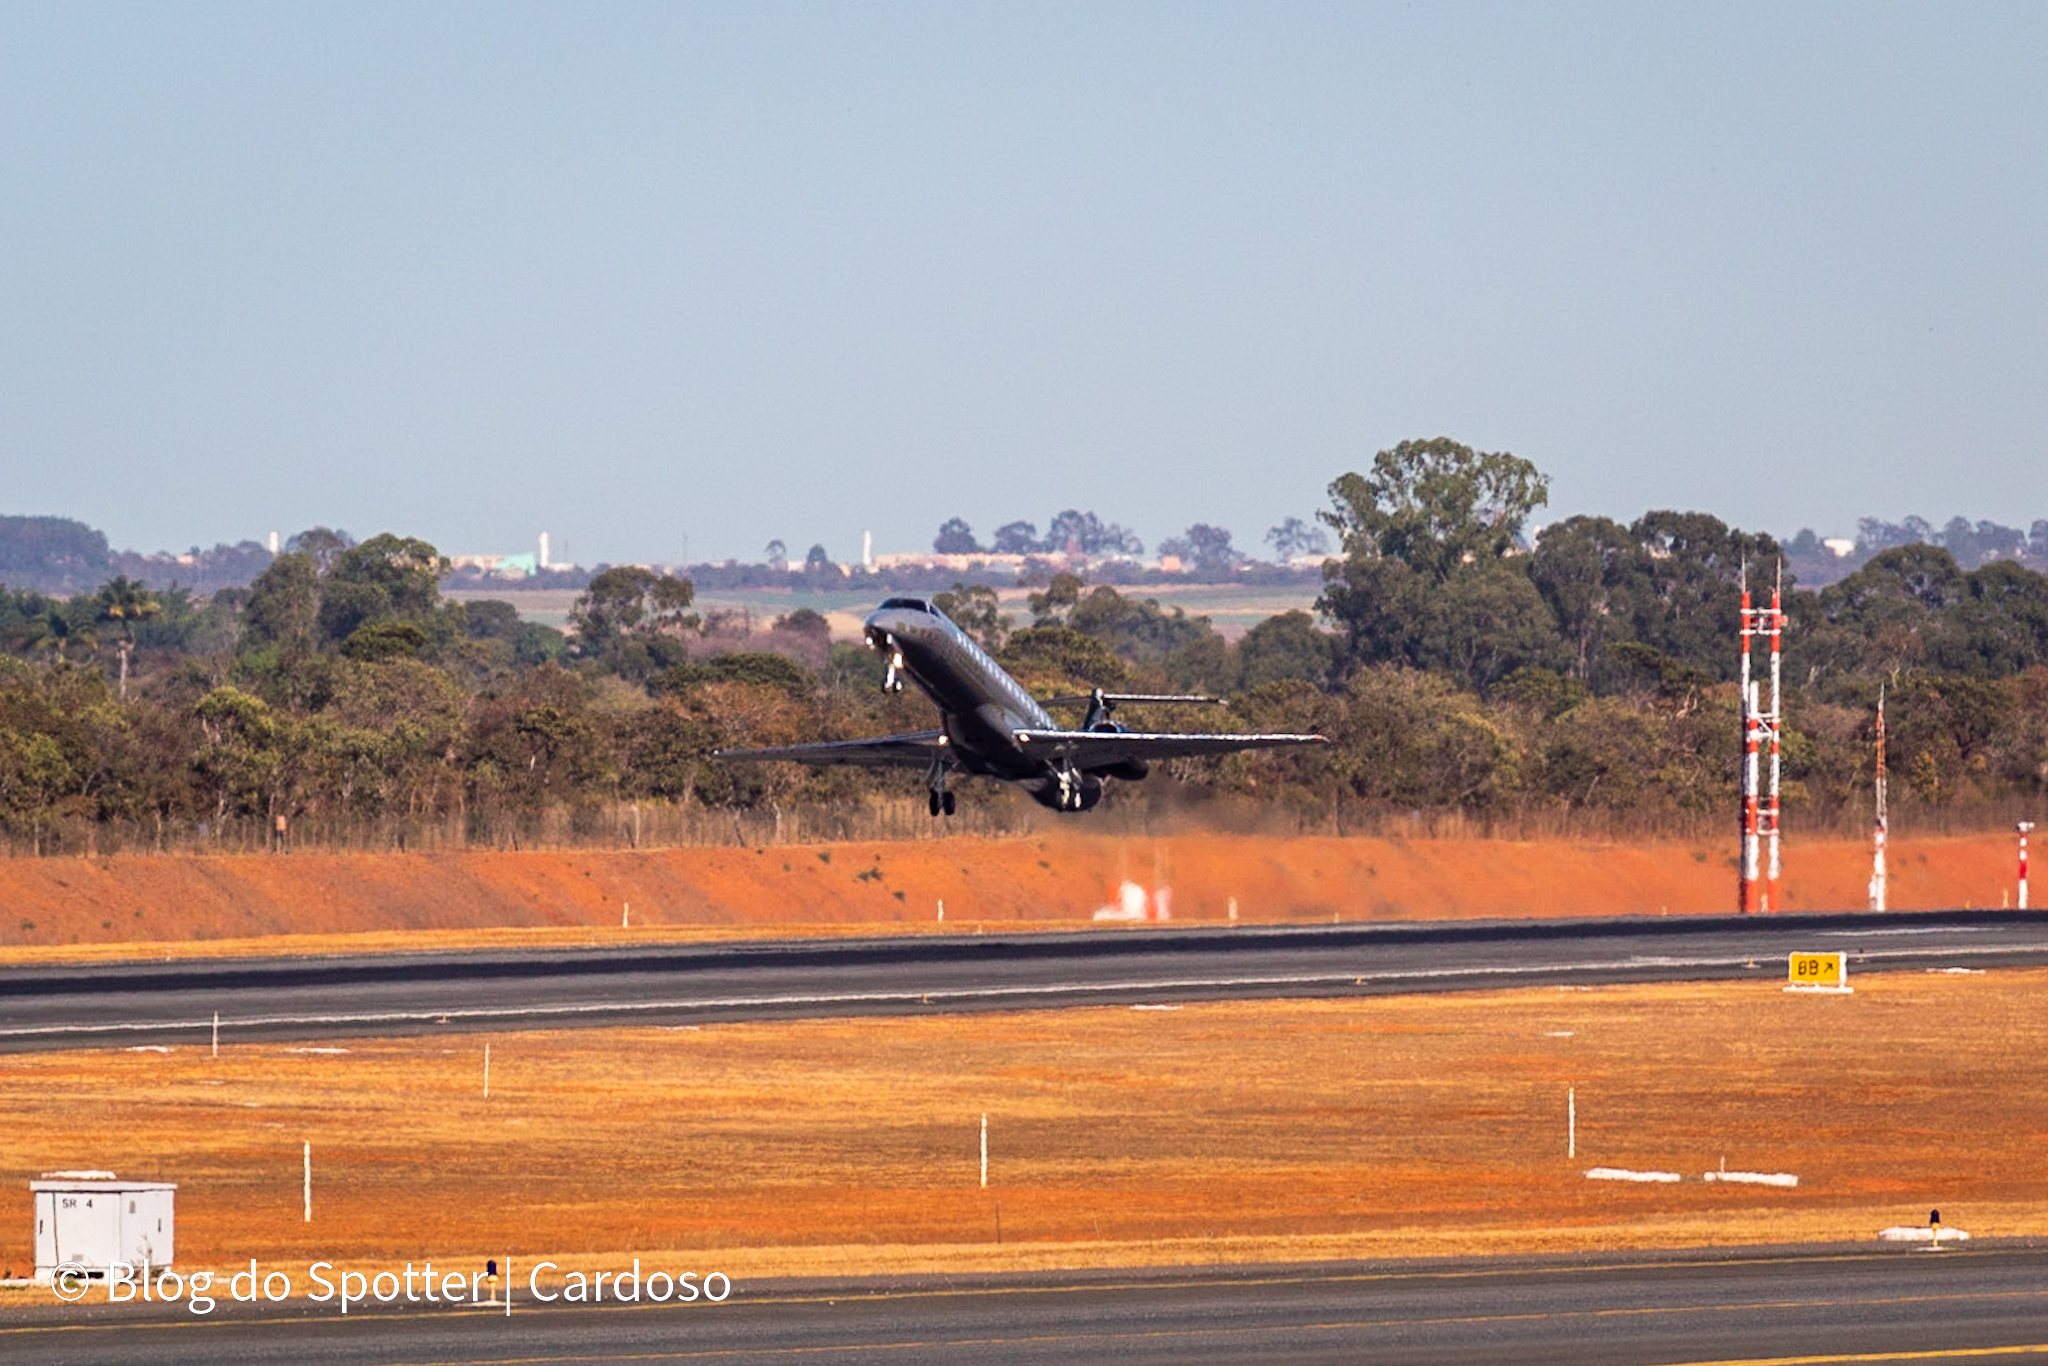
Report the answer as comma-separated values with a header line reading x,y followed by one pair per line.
x,y
1217,1132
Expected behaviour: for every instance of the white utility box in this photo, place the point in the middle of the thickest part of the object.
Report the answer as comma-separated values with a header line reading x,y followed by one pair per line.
x,y
95,1219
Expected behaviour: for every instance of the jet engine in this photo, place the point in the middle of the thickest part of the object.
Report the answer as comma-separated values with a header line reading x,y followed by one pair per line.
x,y
1072,791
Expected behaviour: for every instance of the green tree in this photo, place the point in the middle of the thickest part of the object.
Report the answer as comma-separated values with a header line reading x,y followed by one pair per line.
x,y
741,666
630,606
1414,739
1294,538
283,608
126,603
1435,505
1998,626
1138,631
242,753
1583,566
320,545
1286,647
1050,607
384,640
1890,615
1059,657
1379,604
956,538
1484,623
1206,550
1684,595
385,576
1206,664
517,642
663,751
54,632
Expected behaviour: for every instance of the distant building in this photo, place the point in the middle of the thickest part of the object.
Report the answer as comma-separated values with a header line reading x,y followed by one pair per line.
x,y
931,559
523,566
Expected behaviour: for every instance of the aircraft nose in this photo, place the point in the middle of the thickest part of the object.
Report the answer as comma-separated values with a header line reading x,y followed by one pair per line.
x,y
894,621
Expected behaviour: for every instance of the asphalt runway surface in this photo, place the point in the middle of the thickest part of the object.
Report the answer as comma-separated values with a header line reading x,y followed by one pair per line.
x,y
1836,1305
273,999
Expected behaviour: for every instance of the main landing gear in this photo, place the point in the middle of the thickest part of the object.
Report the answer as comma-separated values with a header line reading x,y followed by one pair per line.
x,y
1070,787
941,798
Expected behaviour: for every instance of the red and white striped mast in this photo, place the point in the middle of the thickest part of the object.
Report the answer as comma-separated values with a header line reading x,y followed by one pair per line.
x,y
1877,834
1773,722
1760,803
1746,884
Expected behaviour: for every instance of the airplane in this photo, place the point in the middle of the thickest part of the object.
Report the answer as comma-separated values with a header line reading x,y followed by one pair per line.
x,y
990,727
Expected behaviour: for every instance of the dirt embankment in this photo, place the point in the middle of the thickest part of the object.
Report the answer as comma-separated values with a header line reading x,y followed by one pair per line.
x,y
68,905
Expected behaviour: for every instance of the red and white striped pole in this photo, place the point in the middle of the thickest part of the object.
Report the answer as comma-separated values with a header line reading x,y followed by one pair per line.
x,y
2024,827
1745,889
1775,720
1878,872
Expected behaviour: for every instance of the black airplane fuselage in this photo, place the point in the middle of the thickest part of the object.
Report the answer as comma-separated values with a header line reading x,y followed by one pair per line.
x,y
981,708
990,727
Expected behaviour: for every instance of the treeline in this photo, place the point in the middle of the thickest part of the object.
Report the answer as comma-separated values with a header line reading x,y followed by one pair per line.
x,y
1585,679
59,555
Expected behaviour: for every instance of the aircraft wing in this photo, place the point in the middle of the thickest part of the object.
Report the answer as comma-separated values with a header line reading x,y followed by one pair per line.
x,y
1099,748
915,750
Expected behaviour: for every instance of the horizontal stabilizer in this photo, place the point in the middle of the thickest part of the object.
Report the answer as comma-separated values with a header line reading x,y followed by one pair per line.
x,y
1116,699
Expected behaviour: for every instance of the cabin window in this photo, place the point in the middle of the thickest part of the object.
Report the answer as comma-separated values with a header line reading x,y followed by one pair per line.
x,y
906,604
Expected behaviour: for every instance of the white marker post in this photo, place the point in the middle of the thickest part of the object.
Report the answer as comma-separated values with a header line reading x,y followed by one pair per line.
x,y
626,916
309,1182
984,1150
942,910
1571,1121
2024,827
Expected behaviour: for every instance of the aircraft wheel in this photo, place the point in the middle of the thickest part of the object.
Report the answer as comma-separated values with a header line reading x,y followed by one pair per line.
x,y
934,801
947,803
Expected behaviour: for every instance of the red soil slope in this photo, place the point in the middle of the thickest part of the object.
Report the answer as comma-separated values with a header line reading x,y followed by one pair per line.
x,y
1056,880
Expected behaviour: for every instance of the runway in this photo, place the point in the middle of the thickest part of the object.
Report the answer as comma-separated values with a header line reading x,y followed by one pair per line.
x,y
164,1004
1842,1305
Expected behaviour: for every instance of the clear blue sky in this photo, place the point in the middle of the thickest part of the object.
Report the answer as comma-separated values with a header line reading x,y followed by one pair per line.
x,y
668,276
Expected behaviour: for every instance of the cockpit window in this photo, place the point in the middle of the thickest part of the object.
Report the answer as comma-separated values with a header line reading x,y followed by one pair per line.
x,y
906,604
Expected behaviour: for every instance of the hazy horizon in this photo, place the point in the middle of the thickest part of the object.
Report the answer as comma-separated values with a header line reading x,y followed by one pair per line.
x,y
671,281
